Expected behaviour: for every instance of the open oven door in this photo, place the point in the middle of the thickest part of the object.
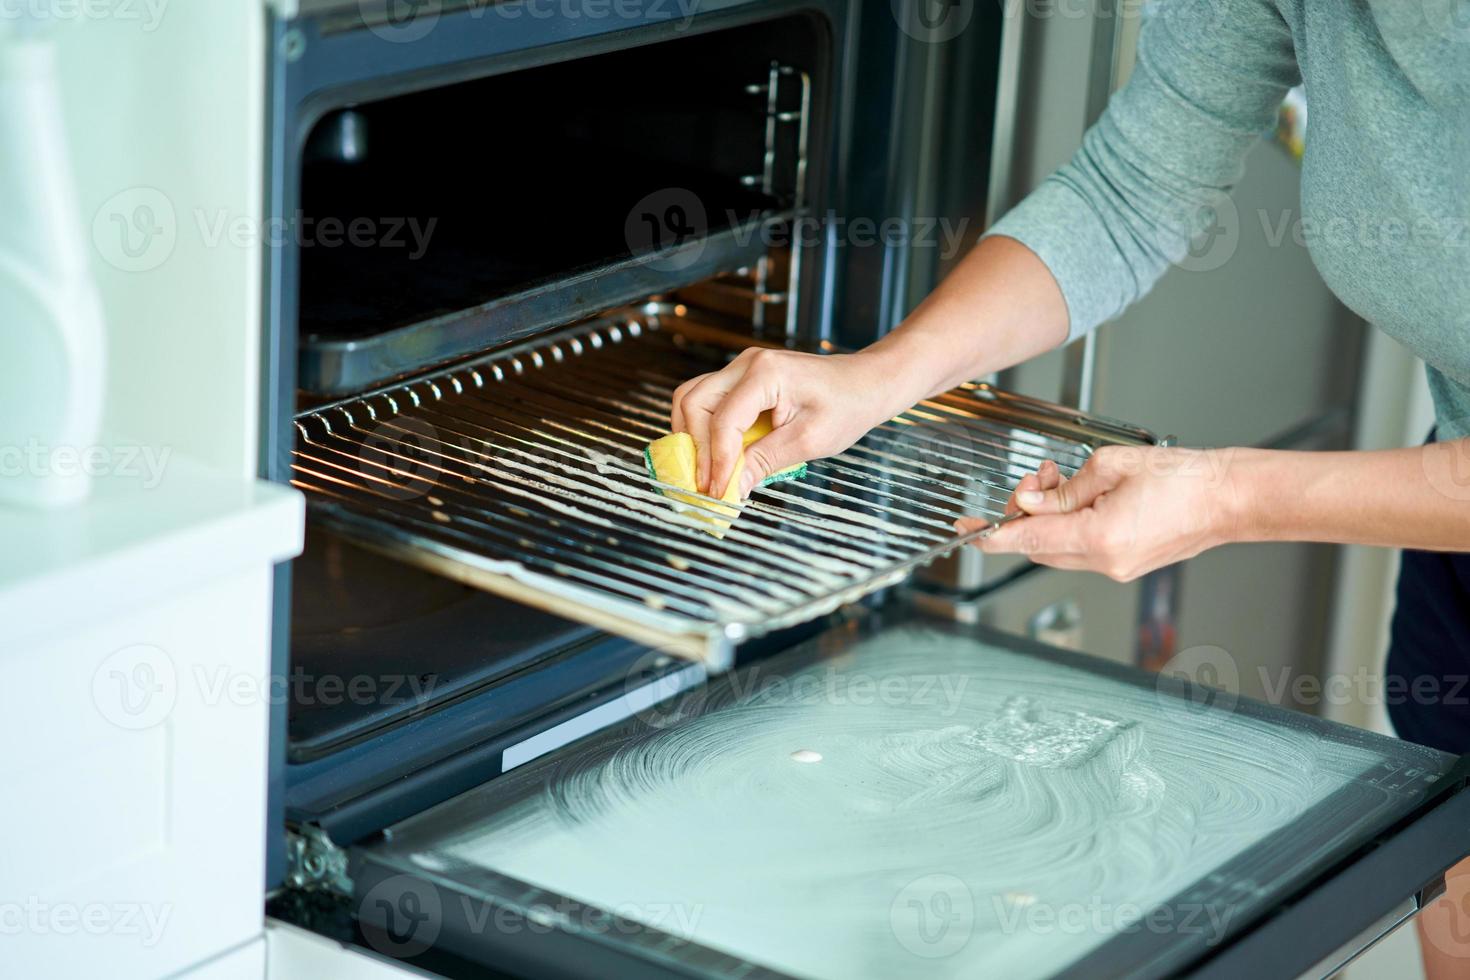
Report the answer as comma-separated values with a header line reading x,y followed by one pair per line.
x,y
906,796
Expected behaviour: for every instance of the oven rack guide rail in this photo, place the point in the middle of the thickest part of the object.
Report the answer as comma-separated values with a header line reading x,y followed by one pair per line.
x,y
521,472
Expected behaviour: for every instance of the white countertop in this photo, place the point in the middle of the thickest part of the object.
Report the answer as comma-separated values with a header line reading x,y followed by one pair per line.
x,y
133,541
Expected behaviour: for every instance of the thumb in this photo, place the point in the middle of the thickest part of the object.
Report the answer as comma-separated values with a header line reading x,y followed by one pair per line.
x,y
770,454
1080,491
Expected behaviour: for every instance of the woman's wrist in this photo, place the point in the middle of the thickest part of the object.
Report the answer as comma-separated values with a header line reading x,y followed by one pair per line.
x,y
894,376
1253,478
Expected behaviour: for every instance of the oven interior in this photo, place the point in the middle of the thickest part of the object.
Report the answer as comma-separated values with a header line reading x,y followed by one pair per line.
x,y
525,200
501,208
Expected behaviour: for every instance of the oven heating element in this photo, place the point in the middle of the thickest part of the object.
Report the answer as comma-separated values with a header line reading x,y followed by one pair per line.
x,y
521,472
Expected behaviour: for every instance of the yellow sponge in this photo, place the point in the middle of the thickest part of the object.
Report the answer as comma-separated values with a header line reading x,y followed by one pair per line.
x,y
673,459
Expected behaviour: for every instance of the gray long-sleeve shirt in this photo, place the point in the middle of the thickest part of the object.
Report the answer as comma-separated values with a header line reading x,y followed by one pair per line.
x,y
1385,180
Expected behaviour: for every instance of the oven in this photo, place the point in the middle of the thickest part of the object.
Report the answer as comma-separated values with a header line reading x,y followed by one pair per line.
x,y
541,720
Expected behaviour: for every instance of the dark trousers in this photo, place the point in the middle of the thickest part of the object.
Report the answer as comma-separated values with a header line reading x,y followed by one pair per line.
x,y
1427,677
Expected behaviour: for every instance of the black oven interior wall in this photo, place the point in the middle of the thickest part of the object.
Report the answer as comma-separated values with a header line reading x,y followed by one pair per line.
x,y
465,193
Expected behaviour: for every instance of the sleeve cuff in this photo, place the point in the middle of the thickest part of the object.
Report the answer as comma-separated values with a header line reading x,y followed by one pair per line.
x,y
1080,255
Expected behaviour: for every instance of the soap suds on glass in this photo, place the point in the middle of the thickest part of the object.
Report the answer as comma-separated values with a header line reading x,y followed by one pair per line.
x,y
1030,783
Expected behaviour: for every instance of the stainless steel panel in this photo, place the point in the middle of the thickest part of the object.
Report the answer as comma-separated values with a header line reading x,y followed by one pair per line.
x,y
1266,607
1243,344
1075,610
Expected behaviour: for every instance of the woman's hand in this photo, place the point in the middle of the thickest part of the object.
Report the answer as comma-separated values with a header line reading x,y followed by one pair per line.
x,y
1128,511
819,404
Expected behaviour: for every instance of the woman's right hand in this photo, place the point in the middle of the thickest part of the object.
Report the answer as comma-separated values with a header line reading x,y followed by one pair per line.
x,y
820,404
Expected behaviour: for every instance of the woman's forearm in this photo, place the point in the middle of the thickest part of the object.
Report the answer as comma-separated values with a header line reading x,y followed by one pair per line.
x,y
998,307
1404,498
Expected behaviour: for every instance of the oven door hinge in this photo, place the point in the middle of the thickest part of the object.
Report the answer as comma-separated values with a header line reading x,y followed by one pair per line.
x,y
314,863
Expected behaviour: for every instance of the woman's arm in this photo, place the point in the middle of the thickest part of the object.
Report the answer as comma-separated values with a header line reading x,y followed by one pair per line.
x,y
1132,510
1001,284
1092,239
1402,498
820,405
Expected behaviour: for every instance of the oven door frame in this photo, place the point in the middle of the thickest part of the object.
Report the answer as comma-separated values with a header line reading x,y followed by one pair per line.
x,y
316,66
1350,897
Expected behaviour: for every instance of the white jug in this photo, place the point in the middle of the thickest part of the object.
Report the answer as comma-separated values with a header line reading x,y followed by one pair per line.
x,y
52,353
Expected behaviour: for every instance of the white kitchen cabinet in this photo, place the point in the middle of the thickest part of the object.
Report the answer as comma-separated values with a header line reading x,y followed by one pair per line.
x,y
136,660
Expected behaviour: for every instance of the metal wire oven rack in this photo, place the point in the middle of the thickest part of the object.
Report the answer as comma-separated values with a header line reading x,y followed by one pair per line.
x,y
522,472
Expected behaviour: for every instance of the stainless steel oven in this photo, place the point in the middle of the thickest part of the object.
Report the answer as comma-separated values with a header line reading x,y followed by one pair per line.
x,y
554,654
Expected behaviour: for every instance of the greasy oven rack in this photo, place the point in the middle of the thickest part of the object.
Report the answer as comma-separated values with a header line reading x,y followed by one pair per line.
x,y
522,473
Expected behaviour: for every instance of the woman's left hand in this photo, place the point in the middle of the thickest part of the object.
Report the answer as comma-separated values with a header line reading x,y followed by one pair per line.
x,y
1128,511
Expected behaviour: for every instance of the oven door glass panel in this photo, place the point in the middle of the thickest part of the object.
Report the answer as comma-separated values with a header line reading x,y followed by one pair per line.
x,y
376,643
914,798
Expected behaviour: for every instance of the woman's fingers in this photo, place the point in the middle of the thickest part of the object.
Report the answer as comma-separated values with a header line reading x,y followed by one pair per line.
x,y
1049,474
1069,496
1056,534
967,524
1046,477
676,406
1030,483
737,412
1010,543
771,453
697,407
